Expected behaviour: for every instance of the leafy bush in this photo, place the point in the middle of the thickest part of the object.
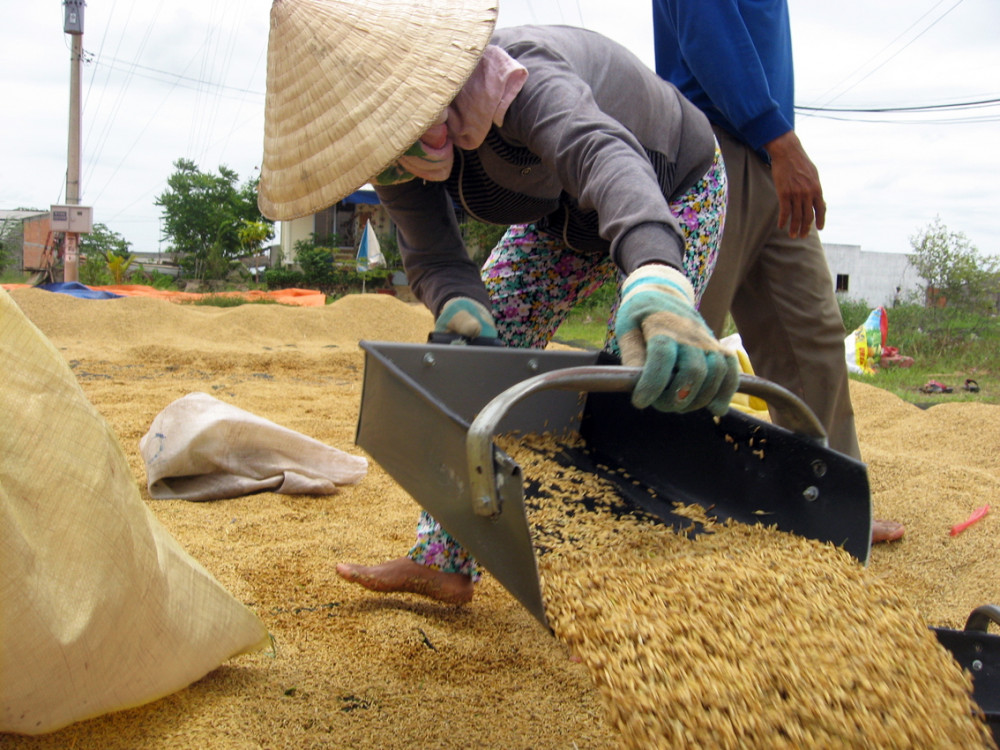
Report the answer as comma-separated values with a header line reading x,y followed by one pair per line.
x,y
854,312
317,265
283,278
321,271
159,280
94,271
945,337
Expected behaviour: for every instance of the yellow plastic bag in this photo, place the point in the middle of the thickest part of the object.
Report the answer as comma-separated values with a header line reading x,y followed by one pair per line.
x,y
755,407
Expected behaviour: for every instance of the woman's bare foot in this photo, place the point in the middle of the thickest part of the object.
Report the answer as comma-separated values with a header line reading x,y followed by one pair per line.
x,y
886,531
403,574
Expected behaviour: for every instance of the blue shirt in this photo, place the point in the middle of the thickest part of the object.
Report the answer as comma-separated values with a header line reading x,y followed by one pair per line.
x,y
733,60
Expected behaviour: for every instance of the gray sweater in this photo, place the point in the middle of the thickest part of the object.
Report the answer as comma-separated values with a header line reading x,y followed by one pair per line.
x,y
591,149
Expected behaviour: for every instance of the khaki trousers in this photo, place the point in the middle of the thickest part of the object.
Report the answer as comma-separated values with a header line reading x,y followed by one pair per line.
x,y
781,297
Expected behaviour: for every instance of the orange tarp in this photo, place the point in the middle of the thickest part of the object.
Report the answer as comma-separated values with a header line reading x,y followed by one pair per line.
x,y
301,297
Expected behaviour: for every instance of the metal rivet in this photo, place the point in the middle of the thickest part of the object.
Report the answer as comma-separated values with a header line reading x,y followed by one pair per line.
x,y
526,171
533,365
819,467
810,493
429,359
977,665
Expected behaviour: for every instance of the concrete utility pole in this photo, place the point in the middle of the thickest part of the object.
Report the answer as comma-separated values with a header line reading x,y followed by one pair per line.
x,y
73,25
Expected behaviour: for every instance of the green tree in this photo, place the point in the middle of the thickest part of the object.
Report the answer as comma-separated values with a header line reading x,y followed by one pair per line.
x,y
118,266
480,238
203,214
104,242
954,269
253,235
10,240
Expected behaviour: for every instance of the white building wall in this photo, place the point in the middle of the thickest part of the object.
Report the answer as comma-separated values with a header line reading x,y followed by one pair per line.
x,y
293,231
876,278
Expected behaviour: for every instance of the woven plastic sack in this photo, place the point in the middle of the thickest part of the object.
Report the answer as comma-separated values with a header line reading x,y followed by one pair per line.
x,y
100,608
200,448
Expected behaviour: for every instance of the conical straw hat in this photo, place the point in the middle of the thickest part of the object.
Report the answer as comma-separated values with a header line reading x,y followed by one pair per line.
x,y
352,84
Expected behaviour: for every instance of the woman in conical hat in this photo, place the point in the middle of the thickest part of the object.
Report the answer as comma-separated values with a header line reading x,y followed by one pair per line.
x,y
602,171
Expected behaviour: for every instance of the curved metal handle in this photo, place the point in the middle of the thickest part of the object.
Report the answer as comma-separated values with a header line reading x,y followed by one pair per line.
x,y
982,616
602,378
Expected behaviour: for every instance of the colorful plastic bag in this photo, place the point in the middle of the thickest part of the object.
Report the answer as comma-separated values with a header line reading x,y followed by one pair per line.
x,y
863,346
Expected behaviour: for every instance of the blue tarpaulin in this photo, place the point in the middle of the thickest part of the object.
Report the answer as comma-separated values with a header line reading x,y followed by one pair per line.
x,y
77,289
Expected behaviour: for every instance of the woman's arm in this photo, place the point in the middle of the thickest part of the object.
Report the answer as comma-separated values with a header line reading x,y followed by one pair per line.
x,y
437,265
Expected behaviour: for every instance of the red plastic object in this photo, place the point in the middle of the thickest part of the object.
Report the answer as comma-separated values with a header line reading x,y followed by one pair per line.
x,y
977,514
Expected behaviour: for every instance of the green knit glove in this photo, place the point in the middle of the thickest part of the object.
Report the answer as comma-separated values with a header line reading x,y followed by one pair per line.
x,y
684,367
465,317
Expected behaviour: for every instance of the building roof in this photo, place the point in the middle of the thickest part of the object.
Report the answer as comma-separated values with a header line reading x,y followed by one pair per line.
x,y
20,214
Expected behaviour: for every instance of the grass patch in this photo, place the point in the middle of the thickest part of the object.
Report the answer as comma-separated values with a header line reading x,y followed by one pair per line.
x,y
583,330
947,345
222,300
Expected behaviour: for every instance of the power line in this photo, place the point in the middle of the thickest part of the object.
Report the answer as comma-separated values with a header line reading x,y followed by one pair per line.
x,y
178,79
887,121
956,106
905,114
119,101
909,115
893,55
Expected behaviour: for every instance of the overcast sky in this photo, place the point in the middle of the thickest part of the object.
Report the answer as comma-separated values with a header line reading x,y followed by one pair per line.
x,y
185,78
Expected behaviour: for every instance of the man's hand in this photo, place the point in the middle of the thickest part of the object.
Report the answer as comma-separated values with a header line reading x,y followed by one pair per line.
x,y
683,365
800,194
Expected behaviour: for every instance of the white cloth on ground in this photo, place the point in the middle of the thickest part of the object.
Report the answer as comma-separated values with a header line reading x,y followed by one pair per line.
x,y
201,448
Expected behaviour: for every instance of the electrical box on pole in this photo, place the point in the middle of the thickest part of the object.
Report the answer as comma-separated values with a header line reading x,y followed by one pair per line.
x,y
73,22
76,219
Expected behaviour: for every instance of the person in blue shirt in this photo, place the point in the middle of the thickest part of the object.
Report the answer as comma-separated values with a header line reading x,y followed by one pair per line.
x,y
733,60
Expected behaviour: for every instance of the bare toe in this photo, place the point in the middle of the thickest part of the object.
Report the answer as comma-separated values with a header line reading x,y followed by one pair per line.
x,y
886,531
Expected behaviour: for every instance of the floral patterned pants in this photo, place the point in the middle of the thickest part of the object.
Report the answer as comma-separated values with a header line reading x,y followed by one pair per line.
x,y
534,281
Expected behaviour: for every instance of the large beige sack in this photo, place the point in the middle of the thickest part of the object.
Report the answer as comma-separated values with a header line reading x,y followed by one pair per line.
x,y
100,608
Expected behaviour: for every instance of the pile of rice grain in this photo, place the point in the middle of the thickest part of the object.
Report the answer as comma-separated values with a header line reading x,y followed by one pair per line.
x,y
742,637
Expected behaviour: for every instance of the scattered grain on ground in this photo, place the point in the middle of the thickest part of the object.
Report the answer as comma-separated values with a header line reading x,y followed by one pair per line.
x,y
357,670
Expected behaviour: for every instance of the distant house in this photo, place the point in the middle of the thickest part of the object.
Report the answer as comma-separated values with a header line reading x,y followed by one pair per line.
x,y
344,220
880,279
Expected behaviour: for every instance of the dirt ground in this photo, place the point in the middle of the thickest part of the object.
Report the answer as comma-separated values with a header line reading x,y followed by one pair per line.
x,y
358,670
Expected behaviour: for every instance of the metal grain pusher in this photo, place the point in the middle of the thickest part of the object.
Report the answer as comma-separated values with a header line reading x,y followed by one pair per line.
x,y
429,414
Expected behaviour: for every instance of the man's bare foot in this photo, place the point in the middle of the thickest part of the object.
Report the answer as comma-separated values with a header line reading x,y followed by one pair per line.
x,y
403,574
886,531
